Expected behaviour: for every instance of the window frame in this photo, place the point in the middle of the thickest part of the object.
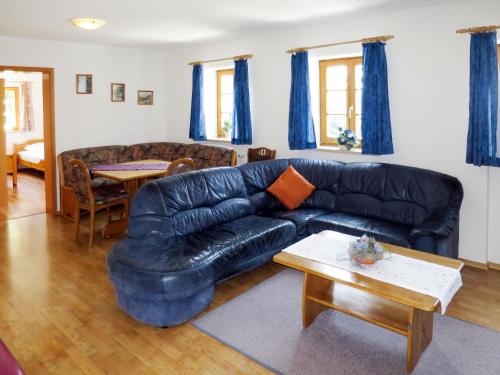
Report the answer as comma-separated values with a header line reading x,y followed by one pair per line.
x,y
17,109
351,62
221,73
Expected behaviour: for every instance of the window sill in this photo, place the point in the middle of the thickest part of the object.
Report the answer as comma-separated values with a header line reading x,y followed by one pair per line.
x,y
336,149
218,140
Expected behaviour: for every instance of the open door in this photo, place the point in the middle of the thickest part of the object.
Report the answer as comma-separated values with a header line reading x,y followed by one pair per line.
x,y
3,159
34,104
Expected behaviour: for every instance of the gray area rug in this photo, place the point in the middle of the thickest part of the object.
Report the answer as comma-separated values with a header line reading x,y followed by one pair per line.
x,y
265,325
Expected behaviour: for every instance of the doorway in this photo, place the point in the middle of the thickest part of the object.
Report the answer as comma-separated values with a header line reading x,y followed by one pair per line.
x,y
27,150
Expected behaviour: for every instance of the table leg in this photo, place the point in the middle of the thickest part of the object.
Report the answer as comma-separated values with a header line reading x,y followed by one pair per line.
x,y
420,325
314,286
131,187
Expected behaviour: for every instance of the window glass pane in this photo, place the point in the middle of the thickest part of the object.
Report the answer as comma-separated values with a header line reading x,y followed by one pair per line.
x,y
226,82
10,110
358,127
333,122
358,102
336,77
227,123
336,102
358,76
226,103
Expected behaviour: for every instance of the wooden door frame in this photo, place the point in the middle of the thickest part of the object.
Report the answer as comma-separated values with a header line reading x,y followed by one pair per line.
x,y
48,131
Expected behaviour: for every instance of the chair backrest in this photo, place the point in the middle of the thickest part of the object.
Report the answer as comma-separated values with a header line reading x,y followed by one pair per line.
x,y
180,166
261,153
81,182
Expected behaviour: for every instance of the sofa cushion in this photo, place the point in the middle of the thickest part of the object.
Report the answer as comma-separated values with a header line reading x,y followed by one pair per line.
x,y
291,188
384,231
324,174
170,269
396,193
188,202
299,217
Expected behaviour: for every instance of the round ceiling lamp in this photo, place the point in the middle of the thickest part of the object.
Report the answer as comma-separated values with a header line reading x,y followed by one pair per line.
x,y
88,23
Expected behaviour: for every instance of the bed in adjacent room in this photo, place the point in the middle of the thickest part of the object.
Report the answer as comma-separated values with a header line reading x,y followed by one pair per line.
x,y
29,154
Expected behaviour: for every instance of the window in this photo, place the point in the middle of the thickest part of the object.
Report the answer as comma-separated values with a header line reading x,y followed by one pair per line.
x,y
225,102
340,97
12,122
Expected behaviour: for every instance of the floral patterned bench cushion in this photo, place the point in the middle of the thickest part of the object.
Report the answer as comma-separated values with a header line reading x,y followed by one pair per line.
x,y
205,156
94,156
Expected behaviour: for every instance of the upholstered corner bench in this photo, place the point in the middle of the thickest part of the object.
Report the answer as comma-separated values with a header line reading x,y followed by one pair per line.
x,y
205,156
191,231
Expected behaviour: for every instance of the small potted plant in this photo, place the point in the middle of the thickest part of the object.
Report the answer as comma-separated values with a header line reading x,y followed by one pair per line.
x,y
366,250
346,139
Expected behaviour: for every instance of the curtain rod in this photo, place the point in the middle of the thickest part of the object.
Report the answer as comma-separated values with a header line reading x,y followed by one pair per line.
x,y
235,58
480,29
374,39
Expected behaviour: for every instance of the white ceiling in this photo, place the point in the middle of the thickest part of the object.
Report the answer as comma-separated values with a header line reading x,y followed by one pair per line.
x,y
169,22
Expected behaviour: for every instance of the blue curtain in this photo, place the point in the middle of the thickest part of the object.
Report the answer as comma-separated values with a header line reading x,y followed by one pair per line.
x,y
300,121
242,120
376,117
483,100
197,124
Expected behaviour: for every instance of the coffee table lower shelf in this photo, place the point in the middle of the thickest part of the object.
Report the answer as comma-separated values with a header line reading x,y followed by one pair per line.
x,y
320,294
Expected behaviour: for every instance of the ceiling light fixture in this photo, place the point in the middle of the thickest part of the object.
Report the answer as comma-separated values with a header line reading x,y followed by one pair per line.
x,y
88,23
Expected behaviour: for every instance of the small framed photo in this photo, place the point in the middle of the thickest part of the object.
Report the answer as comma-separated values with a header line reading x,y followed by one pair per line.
x,y
117,92
144,97
84,83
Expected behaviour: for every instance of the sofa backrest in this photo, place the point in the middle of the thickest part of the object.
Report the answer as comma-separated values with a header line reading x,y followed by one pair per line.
x,y
397,193
186,203
324,174
94,156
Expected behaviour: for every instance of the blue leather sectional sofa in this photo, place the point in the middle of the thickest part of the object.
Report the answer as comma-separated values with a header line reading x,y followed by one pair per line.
x,y
191,231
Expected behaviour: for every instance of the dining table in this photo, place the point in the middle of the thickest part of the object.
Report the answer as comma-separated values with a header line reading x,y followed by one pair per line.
x,y
133,174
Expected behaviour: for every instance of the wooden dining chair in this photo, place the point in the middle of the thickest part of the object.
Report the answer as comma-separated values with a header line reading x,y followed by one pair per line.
x,y
260,153
180,166
94,201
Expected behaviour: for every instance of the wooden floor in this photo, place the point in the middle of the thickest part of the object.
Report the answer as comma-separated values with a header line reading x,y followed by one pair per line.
x,y
29,196
58,314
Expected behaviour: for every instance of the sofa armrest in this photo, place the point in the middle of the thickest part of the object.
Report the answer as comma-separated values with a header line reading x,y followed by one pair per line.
x,y
440,224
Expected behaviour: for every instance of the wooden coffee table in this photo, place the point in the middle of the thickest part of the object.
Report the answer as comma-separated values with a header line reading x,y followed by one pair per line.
x,y
400,310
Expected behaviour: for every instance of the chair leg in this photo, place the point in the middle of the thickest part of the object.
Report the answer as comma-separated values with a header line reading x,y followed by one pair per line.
x,y
77,222
91,225
108,214
125,209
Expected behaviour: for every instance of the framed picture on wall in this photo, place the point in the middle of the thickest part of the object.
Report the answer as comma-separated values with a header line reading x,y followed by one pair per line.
x,y
117,92
84,83
144,97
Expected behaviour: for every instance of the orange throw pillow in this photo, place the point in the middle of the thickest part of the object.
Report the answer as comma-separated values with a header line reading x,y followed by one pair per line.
x,y
291,188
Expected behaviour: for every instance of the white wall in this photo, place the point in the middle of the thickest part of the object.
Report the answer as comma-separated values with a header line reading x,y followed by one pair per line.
x,y
92,120
15,79
428,79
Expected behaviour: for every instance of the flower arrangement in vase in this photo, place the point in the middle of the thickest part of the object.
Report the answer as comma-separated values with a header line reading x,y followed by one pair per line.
x,y
366,250
346,139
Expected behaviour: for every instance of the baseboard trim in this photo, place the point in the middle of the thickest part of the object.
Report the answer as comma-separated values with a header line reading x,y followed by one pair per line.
x,y
494,266
473,264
